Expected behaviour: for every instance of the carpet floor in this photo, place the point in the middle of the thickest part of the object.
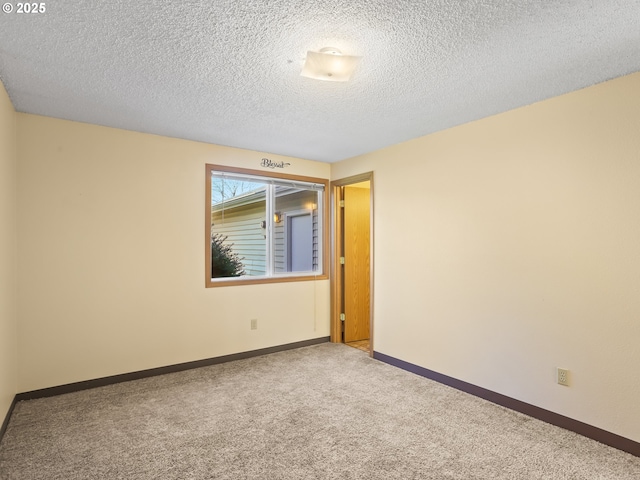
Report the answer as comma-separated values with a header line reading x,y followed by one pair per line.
x,y
321,412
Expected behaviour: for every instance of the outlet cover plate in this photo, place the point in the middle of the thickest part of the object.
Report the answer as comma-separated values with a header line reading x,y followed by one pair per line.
x,y
563,376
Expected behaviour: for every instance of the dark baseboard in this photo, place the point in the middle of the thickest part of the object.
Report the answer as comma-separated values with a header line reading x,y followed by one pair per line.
x,y
595,433
126,377
5,423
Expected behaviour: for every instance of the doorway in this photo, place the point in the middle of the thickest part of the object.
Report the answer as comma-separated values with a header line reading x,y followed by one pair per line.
x,y
299,244
352,262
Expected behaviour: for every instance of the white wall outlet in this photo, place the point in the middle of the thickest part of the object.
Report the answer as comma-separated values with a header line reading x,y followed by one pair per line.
x,y
563,376
254,324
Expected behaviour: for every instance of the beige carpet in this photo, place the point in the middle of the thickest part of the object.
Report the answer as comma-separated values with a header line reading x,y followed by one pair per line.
x,y
321,412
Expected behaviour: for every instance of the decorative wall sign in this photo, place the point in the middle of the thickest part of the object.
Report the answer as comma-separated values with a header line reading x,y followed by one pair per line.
x,y
266,163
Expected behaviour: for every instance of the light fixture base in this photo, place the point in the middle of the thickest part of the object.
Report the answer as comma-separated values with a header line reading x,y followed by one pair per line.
x,y
330,51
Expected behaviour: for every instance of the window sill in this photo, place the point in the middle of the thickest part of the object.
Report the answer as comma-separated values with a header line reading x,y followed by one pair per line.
x,y
258,280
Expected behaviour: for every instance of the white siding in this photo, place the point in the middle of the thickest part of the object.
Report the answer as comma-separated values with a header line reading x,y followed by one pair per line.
x,y
247,237
242,226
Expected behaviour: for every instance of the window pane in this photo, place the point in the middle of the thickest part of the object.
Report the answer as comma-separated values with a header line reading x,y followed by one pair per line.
x,y
263,227
296,229
238,227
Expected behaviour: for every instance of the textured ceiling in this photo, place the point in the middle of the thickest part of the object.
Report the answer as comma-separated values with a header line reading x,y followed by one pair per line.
x,y
228,72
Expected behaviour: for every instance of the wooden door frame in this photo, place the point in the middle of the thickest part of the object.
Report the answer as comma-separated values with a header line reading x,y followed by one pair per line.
x,y
336,253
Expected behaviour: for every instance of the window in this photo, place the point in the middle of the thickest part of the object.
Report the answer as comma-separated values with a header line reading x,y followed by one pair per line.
x,y
264,227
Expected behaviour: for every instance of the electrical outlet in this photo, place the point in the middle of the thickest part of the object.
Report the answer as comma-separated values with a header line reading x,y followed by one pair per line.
x,y
254,324
563,376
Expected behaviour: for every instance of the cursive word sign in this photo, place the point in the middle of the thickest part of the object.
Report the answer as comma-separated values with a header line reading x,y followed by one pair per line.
x,y
271,164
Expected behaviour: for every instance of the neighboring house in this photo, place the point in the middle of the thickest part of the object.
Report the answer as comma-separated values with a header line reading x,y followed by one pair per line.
x,y
243,220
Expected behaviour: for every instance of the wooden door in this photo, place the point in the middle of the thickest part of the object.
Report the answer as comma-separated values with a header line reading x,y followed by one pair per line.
x,y
356,263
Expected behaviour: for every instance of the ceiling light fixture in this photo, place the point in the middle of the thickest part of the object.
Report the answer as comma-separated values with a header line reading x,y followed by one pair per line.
x,y
329,64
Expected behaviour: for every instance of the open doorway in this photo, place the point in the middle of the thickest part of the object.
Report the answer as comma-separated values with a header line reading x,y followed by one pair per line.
x,y
352,262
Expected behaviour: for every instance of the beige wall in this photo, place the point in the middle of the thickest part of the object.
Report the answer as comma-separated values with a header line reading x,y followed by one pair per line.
x,y
8,268
111,248
509,246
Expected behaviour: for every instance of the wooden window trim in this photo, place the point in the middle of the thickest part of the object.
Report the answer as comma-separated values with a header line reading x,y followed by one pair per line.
x,y
210,283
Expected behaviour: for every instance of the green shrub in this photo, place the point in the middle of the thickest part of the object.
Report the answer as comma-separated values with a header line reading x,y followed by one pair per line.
x,y
224,261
